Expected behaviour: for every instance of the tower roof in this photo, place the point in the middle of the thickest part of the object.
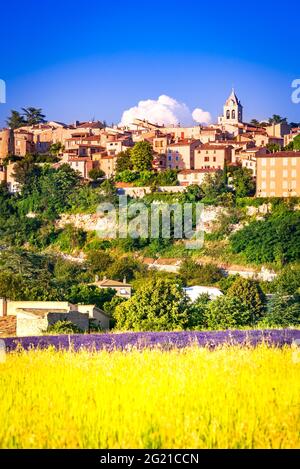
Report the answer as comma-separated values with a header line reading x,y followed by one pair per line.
x,y
232,97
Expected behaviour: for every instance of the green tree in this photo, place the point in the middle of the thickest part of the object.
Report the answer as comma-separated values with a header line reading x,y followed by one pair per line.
x,y
227,312
249,292
167,177
283,311
255,122
96,173
296,143
289,146
214,185
275,239
288,281
56,148
158,305
89,295
71,238
15,120
193,273
243,182
98,261
193,193
124,267
33,115
273,147
124,161
126,176
197,312
26,172
108,189
276,119
142,156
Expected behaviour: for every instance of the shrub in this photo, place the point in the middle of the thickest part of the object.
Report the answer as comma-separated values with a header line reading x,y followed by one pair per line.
x,y
228,312
98,261
158,305
249,292
203,274
197,312
276,239
283,311
64,327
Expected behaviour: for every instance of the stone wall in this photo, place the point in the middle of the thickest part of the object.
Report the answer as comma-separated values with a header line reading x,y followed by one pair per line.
x,y
28,326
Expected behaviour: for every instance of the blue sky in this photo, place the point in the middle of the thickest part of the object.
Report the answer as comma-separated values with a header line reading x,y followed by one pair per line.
x,y
95,59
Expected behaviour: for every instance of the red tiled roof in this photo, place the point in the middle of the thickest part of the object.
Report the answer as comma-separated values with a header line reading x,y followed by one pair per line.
x,y
207,146
281,154
204,170
184,142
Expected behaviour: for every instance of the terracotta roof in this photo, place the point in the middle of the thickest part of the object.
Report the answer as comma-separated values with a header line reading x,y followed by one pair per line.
x,y
110,283
207,146
148,260
168,261
281,154
184,142
203,170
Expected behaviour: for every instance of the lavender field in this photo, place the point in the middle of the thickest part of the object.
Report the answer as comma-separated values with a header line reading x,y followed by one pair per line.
x,y
162,340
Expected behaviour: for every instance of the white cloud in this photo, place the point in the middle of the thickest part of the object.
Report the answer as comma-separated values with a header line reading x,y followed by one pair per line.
x,y
164,111
200,116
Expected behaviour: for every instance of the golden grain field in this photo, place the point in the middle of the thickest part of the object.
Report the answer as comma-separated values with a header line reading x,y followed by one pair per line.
x,y
194,398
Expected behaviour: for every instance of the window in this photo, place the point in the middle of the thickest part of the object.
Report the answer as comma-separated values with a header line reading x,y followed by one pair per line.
x,y
285,173
272,162
263,162
170,158
177,158
284,184
207,152
294,173
264,174
214,158
285,161
227,114
293,184
272,173
233,114
263,185
272,185
294,161
206,158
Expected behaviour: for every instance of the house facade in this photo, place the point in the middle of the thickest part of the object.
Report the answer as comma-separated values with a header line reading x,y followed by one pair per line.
x,y
278,174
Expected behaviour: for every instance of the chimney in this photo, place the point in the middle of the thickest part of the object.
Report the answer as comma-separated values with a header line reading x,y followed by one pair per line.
x,y
3,307
124,280
96,278
104,277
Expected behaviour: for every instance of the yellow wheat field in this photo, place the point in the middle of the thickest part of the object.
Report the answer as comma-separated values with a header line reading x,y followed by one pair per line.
x,y
195,398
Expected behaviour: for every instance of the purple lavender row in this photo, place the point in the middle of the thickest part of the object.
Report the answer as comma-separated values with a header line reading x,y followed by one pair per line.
x,y
163,340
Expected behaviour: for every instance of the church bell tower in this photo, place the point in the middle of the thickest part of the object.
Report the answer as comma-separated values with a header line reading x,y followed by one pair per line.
x,y
232,111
